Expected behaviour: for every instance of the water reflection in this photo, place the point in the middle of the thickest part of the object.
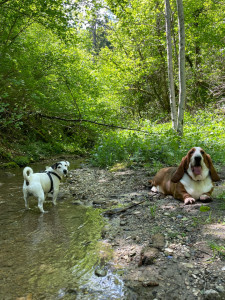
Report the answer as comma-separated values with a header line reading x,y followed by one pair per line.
x,y
53,255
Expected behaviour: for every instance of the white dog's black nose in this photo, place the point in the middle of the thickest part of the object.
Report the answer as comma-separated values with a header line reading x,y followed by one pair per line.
x,y
65,171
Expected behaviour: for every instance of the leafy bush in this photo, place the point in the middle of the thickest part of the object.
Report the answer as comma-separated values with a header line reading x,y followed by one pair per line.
x,y
162,144
21,161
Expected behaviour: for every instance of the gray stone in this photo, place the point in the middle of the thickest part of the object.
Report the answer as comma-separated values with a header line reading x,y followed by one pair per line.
x,y
211,295
148,256
220,288
158,241
100,272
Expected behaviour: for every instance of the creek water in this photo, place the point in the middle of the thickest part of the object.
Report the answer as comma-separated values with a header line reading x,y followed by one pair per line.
x,y
52,255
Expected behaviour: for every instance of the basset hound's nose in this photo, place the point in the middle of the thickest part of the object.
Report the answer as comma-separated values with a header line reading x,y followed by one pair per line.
x,y
198,160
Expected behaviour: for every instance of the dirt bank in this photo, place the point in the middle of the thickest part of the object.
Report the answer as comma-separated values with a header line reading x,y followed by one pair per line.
x,y
163,249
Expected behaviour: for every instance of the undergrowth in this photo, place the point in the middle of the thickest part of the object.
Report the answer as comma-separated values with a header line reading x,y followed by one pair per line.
x,y
161,145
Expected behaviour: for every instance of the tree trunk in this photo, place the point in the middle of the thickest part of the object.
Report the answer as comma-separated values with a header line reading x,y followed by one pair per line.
x,y
173,108
182,82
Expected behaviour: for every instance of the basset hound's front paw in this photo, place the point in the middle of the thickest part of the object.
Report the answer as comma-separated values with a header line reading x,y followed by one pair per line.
x,y
205,198
189,200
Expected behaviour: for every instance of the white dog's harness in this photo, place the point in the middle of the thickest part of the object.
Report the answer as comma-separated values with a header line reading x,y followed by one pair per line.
x,y
51,180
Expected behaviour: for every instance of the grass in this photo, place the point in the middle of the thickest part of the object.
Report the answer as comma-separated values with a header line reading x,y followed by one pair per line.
x,y
152,210
161,145
217,249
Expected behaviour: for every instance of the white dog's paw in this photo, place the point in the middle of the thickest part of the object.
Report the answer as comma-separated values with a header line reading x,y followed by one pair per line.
x,y
205,198
189,200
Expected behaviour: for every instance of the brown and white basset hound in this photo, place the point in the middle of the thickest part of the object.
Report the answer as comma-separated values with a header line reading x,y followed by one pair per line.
x,y
191,180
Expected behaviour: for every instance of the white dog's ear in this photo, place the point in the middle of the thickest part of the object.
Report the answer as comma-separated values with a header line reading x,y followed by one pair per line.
x,y
54,166
68,163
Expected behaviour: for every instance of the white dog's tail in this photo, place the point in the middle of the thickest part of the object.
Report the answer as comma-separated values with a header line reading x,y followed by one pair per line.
x,y
27,172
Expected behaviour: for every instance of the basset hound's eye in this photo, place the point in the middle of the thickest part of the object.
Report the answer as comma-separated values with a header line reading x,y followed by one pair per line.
x,y
192,151
202,152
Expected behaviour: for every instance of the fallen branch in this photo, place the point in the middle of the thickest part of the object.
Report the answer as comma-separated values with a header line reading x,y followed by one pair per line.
x,y
87,121
117,211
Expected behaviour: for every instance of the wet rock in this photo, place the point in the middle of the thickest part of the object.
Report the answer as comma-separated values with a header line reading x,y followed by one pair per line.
x,y
211,295
99,202
158,241
123,222
148,255
100,272
9,174
71,292
77,202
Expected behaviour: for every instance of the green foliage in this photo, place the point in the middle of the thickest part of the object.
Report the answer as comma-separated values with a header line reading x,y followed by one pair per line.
x,y
21,161
217,249
153,209
38,150
204,208
9,165
80,61
162,144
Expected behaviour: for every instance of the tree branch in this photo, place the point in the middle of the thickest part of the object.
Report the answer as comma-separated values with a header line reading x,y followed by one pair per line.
x,y
85,121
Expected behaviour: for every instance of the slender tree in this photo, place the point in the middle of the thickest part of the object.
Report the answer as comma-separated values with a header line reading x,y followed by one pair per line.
x,y
182,80
170,65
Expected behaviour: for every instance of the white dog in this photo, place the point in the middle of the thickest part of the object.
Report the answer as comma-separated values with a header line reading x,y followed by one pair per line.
x,y
40,184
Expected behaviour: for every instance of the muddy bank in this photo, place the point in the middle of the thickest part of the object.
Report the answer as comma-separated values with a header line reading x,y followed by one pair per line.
x,y
161,248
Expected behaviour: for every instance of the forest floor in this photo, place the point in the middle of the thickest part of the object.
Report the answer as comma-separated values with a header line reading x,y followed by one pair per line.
x,y
162,248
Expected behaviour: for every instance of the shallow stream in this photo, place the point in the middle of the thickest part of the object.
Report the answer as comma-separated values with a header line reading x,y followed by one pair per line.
x,y
52,255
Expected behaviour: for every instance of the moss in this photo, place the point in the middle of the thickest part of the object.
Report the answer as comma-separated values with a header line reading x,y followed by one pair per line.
x,y
5,154
21,160
9,165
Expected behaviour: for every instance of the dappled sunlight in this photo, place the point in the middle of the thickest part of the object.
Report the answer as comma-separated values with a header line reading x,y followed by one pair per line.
x,y
126,252
216,231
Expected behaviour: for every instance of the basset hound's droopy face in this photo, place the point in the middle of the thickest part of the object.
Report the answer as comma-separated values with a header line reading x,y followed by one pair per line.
x,y
197,164
191,180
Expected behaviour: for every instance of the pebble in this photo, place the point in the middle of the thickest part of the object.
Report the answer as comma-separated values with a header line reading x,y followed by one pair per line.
x,y
187,254
211,295
100,272
179,216
158,240
168,251
188,265
149,283
99,201
220,288
148,255
123,223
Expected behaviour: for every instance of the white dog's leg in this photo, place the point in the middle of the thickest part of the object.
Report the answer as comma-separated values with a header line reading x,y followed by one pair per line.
x,y
25,196
54,196
41,199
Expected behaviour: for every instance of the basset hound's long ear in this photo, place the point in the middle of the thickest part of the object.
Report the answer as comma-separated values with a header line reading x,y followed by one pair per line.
x,y
213,173
180,170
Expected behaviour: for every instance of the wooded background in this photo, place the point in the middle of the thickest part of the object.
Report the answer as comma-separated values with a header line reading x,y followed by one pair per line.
x,y
68,67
